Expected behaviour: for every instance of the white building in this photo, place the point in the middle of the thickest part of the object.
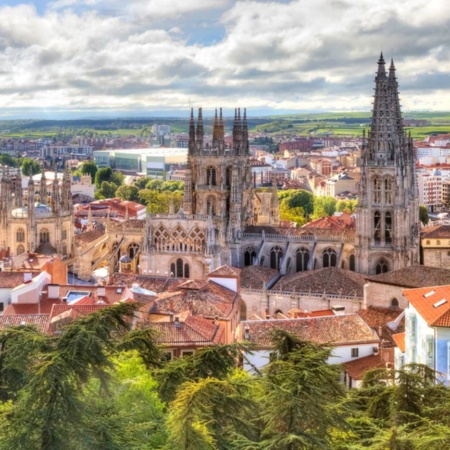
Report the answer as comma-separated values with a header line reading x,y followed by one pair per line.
x,y
430,190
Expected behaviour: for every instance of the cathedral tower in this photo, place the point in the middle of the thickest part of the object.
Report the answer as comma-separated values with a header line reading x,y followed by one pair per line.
x,y
387,227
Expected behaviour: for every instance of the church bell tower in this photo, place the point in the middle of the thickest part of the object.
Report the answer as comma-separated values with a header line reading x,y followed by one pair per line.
x,y
387,227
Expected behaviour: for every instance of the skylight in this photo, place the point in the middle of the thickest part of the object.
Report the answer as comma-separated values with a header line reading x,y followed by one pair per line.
x,y
429,294
440,303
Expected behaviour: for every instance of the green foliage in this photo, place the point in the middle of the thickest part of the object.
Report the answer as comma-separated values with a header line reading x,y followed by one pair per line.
x,y
126,192
30,167
323,207
107,190
423,214
159,202
296,205
8,160
89,167
348,206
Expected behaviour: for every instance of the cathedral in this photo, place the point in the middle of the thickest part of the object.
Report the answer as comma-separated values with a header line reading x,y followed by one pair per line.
x,y
223,220
38,219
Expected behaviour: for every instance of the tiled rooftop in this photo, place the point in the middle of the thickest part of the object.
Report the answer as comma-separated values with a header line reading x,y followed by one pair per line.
x,y
254,277
11,279
413,276
399,340
194,331
333,330
432,303
436,232
358,367
224,271
40,321
86,238
330,280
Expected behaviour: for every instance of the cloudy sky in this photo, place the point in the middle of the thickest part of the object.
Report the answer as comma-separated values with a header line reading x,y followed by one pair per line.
x,y
131,57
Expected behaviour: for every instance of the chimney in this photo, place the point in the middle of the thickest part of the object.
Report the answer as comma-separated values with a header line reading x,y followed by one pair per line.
x,y
171,316
246,333
177,322
101,291
53,290
27,277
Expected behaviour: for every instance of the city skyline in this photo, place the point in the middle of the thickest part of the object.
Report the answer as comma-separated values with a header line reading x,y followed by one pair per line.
x,y
68,58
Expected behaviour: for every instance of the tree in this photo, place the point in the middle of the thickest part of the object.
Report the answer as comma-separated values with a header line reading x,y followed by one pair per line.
x,y
55,394
8,160
107,190
103,174
89,167
423,214
126,192
298,199
30,167
324,206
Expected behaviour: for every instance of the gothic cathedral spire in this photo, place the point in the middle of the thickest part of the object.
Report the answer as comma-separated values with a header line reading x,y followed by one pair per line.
x,y
387,213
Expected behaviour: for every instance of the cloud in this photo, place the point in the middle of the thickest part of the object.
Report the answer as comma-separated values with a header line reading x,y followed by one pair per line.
x,y
156,54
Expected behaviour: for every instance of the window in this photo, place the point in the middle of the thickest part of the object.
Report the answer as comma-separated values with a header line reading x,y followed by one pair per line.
x,y
133,250
20,235
352,263
377,227
428,242
249,256
179,269
394,303
44,236
211,176
382,266
276,253
20,249
63,235
168,356
377,190
355,352
388,190
438,242
329,258
186,353
388,227
301,259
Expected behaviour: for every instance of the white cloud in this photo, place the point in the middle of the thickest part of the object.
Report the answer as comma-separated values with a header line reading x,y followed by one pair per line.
x,y
302,54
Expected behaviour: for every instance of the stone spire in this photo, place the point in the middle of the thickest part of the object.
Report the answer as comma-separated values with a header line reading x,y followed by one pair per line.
x,y
192,134
216,131
56,195
43,189
245,133
199,136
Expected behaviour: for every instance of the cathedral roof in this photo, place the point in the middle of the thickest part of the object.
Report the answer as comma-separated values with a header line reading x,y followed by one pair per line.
x,y
329,280
86,238
413,276
224,271
255,277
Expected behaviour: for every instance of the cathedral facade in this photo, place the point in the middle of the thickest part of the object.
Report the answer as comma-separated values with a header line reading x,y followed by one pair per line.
x,y
38,219
224,221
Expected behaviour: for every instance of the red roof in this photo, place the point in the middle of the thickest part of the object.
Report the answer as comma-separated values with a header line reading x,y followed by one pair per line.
x,y
432,303
358,367
399,340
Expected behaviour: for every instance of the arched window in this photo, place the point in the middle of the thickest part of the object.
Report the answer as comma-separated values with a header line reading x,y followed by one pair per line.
x,y
20,235
388,227
228,176
44,236
197,240
438,242
388,190
179,269
301,259
276,253
161,239
133,249
394,303
377,190
382,266
20,249
249,256
211,179
428,242
179,240
352,263
377,227
329,258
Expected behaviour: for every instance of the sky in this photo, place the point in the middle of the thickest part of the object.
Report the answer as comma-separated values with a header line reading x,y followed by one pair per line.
x,y
86,58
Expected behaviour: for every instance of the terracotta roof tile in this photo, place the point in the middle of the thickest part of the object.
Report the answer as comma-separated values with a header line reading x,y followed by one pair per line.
x,y
193,332
255,277
399,340
40,321
11,279
432,303
413,276
358,367
330,280
152,283
86,238
334,330
437,232
225,271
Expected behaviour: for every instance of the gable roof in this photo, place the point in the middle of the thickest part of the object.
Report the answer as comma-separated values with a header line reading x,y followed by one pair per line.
x,y
330,280
437,232
413,276
344,329
40,321
194,331
225,271
399,340
358,367
432,303
255,277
